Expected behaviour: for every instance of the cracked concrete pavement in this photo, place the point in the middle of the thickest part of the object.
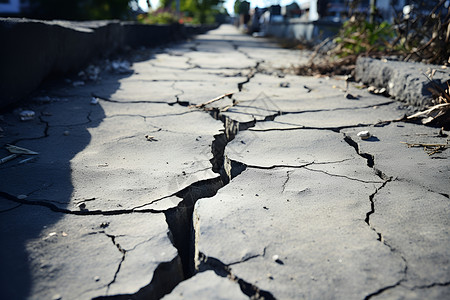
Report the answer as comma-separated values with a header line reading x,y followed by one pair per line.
x,y
206,172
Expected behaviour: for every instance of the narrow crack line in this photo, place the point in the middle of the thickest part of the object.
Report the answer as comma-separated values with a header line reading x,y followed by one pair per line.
x,y
372,207
55,208
256,107
244,260
300,127
11,208
177,96
343,176
170,115
138,244
47,126
253,114
288,177
371,164
390,287
291,166
248,258
178,193
383,290
338,109
314,110
278,129
428,286
45,135
332,162
278,166
127,101
369,158
155,201
223,270
121,250
253,71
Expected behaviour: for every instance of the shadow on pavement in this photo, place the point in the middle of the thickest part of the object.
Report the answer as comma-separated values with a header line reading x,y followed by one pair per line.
x,y
59,131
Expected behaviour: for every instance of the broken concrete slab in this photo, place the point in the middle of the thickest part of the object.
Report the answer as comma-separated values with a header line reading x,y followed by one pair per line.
x,y
119,156
338,118
414,223
83,256
279,212
293,249
319,150
388,151
207,285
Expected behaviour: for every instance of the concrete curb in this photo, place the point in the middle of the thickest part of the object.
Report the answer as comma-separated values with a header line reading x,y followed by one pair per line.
x,y
404,81
32,50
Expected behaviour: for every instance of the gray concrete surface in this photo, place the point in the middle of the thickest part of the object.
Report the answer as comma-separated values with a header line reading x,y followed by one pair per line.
x,y
154,191
405,81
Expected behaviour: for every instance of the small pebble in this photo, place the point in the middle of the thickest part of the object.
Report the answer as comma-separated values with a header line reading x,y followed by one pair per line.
x,y
97,278
57,297
94,101
351,97
66,133
21,197
104,224
27,115
275,257
364,134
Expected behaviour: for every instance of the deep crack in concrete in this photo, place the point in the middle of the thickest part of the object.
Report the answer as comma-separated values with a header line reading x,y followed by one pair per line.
x,y
371,164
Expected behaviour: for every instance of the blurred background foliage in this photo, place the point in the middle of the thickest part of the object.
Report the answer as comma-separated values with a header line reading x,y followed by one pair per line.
x,y
81,9
191,11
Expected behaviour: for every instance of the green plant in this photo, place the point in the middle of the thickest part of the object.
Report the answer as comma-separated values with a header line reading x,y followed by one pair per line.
x,y
80,9
159,16
359,36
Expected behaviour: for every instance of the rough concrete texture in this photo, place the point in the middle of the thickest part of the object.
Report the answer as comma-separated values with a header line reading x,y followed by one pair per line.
x,y
404,81
199,287
205,172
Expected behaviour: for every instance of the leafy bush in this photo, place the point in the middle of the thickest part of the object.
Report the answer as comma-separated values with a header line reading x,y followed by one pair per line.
x,y
160,16
359,36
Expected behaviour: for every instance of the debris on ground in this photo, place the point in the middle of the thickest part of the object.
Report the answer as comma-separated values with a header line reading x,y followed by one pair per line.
x,y
94,101
19,150
430,149
27,115
438,114
364,135
202,105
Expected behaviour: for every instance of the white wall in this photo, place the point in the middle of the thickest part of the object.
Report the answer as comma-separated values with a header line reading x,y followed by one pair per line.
x,y
313,14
